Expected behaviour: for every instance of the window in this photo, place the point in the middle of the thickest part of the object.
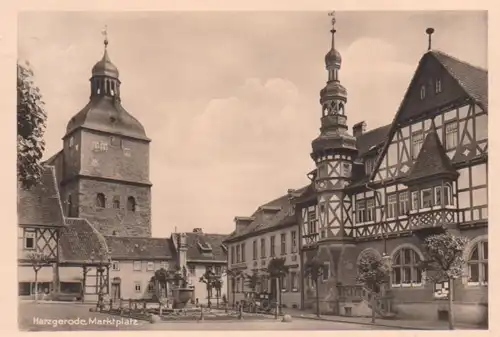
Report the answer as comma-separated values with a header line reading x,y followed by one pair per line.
x,y
150,266
164,265
417,141
29,239
137,265
243,259
414,200
451,135
255,249
116,265
238,254
448,200
294,242
323,170
262,248
312,222
71,141
283,244
422,92
438,86
426,198
284,285
131,204
218,270
294,282
273,251
192,269
116,202
100,200
360,211
151,287
233,257
404,204
478,264
406,271
114,141
137,286
369,162
370,210
437,195
392,206
326,271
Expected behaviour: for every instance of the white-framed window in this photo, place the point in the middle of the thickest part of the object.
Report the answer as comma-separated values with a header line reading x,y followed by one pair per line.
x,y
326,271
451,135
478,264
370,210
29,239
426,198
437,195
150,266
360,211
137,286
417,139
294,242
137,265
392,206
422,92
283,243
438,86
115,265
406,270
404,203
448,199
414,200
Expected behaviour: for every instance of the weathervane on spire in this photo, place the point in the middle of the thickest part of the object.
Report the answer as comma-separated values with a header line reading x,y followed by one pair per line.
x,y
105,34
332,14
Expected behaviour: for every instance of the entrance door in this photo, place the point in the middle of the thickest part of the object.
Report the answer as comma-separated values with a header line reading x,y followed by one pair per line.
x,y
115,290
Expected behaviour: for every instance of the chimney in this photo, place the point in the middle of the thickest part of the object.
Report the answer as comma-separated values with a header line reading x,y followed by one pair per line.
x,y
198,230
241,222
358,129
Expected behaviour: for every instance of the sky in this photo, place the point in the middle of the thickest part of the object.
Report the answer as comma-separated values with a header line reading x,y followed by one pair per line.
x,y
231,99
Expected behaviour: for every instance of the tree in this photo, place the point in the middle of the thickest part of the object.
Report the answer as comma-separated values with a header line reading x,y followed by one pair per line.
x,y
253,280
278,269
444,261
314,269
209,279
371,273
233,274
31,123
37,260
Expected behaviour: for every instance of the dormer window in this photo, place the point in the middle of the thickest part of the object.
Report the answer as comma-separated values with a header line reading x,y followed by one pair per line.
x,y
438,86
369,162
422,92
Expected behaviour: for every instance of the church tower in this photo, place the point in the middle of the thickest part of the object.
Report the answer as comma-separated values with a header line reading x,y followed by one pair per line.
x,y
105,165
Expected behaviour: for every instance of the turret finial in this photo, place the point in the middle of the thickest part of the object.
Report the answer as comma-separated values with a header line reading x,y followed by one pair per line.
x,y
332,14
105,34
429,32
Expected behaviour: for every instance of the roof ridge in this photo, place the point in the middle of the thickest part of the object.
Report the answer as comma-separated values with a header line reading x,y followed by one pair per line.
x,y
437,51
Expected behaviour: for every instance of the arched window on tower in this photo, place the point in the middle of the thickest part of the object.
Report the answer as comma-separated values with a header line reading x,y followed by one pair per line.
x,y
406,270
108,87
112,88
131,204
100,200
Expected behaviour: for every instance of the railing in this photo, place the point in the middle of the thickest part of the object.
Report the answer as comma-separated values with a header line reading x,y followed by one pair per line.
x,y
358,293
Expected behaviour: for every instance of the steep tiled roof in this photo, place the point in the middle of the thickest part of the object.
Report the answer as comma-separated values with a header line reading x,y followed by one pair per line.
x,y
80,241
123,248
196,241
474,80
263,223
369,139
40,205
432,159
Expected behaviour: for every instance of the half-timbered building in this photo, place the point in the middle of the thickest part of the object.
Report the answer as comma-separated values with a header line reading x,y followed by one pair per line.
x,y
384,191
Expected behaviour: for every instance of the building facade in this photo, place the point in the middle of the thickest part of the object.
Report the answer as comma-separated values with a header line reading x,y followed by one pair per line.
x,y
271,232
384,191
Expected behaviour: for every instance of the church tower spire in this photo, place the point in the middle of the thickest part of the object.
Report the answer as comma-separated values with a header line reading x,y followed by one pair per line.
x,y
333,152
104,81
